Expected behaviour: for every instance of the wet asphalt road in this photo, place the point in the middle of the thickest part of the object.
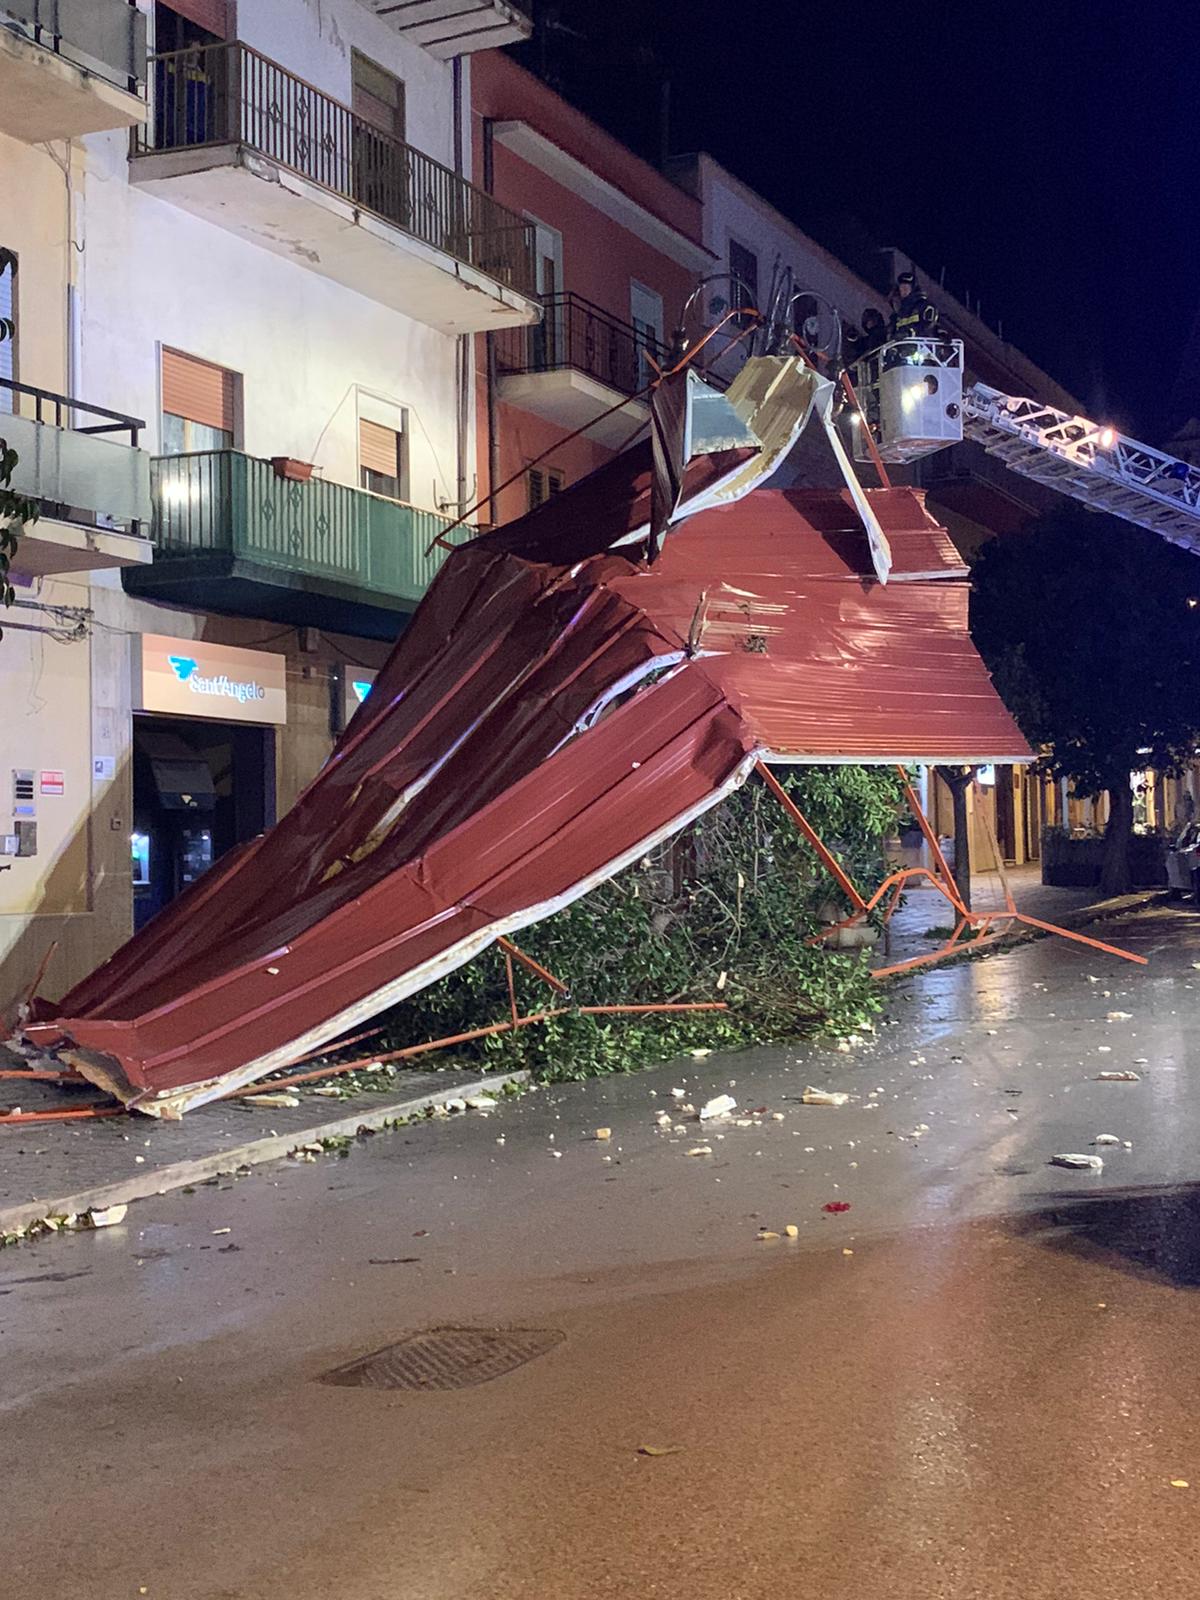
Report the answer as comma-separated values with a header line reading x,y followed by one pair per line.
x,y
978,1381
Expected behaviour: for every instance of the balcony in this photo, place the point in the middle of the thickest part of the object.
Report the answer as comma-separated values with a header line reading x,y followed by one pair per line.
x,y
246,145
69,67
977,496
92,483
231,536
449,28
575,365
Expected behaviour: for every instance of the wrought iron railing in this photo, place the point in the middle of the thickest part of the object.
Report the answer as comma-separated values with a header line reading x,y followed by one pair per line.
x,y
108,37
221,502
226,93
575,333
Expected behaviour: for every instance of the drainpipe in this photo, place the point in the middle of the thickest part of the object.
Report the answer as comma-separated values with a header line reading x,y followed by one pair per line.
x,y
462,355
493,432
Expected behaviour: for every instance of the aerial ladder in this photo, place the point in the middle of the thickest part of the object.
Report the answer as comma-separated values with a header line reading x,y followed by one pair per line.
x,y
912,402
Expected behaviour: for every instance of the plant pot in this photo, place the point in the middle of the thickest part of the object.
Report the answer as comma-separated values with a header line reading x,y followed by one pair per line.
x,y
289,467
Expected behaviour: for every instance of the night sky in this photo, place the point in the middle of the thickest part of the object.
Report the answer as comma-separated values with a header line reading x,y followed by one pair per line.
x,y
1047,155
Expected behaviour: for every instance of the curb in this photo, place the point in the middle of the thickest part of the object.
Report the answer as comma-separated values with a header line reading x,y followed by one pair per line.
x,y
272,1147
1117,906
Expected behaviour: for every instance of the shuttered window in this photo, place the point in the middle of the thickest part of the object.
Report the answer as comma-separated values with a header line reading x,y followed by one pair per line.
x,y
543,482
377,97
199,403
382,459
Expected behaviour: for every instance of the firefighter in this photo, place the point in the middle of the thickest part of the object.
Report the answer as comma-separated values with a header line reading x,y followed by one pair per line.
x,y
913,317
874,331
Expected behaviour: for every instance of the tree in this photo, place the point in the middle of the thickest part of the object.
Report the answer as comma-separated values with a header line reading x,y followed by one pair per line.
x,y
1091,629
15,510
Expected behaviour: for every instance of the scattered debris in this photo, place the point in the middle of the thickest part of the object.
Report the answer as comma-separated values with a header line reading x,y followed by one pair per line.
x,y
481,1102
1068,1159
767,1233
603,1133
275,1102
835,1207
1106,1138
823,1097
1180,1483
328,1091
847,1252
659,1449
721,1106
217,1232
700,1055
1126,1076
107,1216
392,1261
792,1231
1120,1016
700,1150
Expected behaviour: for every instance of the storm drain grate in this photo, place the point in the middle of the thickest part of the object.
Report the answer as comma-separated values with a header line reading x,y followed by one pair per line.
x,y
446,1358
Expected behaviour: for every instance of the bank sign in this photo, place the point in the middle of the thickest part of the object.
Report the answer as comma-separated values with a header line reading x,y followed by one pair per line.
x,y
192,678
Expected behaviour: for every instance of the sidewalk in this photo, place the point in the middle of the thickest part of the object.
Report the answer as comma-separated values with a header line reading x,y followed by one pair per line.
x,y
65,1168
925,909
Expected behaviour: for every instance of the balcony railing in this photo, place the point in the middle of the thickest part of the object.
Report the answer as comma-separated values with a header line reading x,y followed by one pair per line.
x,y
224,503
576,334
106,37
225,94
80,461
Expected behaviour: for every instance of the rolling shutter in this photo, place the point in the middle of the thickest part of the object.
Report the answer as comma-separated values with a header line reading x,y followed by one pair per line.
x,y
378,448
212,15
199,391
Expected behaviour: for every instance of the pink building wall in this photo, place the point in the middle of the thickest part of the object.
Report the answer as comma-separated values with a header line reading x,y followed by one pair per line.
x,y
600,256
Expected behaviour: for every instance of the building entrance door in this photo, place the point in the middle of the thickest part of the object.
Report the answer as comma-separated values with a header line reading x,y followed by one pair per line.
x,y
199,788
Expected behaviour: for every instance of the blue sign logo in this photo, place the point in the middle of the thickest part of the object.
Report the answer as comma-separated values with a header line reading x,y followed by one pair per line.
x,y
184,667
361,690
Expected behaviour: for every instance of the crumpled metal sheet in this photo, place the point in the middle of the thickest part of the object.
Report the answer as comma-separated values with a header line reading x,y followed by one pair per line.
x,y
519,747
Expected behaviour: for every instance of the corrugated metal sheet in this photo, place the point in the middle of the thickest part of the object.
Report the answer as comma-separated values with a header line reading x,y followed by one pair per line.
x,y
479,787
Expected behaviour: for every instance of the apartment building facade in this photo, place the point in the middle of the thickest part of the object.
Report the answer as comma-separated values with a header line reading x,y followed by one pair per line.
x,y
249,234
618,250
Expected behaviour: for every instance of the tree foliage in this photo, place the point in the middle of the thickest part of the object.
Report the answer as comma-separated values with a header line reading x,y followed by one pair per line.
x,y
1092,632
725,914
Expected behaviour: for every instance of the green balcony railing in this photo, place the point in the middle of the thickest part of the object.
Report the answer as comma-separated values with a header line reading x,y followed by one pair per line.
x,y
222,503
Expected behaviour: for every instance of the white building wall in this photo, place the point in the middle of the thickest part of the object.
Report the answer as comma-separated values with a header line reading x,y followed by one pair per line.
x,y
311,353
314,39
109,275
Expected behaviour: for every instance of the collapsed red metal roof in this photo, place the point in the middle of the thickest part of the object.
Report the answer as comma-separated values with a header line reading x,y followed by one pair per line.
x,y
555,707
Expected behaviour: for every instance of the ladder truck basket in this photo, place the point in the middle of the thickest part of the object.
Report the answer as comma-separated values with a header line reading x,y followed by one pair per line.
x,y
910,394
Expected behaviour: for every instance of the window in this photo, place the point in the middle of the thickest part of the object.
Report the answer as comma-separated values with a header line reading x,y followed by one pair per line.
x,y
377,97
8,326
200,403
382,459
542,483
646,315
743,270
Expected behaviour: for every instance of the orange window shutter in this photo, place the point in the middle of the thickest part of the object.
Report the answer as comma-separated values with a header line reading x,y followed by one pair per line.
x,y
198,390
378,448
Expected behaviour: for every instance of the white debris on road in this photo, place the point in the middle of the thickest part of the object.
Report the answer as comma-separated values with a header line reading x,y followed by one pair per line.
x,y
1068,1159
721,1106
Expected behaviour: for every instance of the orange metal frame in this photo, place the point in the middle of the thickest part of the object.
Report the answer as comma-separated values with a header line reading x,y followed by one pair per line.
x,y
977,925
515,1020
